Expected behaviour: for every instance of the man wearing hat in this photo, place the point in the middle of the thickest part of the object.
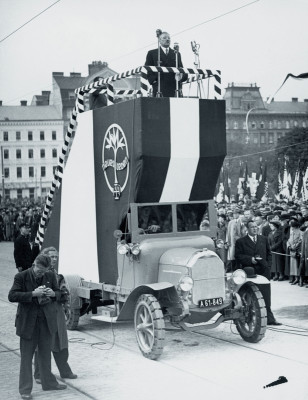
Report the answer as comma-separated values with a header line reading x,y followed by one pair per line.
x,y
233,233
22,249
253,251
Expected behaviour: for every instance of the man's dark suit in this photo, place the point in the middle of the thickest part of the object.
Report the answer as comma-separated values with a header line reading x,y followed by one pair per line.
x,y
245,249
35,324
167,80
22,252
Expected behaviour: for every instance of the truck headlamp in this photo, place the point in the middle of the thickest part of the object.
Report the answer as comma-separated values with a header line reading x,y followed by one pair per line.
x,y
123,249
135,249
239,277
186,283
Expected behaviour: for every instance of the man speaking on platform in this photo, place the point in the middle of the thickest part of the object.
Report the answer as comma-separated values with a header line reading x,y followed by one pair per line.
x,y
164,56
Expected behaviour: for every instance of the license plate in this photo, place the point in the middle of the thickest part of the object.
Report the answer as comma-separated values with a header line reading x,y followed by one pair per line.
x,y
217,301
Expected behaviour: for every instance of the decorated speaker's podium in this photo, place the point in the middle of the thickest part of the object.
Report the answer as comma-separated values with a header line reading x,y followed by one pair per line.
x,y
145,150
131,212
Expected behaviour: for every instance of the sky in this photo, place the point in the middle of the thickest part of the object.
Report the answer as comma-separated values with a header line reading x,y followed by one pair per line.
x,y
256,41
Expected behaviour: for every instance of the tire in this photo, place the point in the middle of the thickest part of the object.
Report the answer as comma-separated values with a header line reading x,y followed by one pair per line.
x,y
149,326
252,325
71,307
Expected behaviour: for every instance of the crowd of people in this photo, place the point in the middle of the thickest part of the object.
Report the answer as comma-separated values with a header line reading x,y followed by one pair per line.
x,y
283,223
13,214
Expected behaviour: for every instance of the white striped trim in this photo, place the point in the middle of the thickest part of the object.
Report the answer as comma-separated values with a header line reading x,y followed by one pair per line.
x,y
185,149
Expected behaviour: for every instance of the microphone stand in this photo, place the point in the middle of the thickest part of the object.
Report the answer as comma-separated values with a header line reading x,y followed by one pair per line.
x,y
195,49
159,93
176,50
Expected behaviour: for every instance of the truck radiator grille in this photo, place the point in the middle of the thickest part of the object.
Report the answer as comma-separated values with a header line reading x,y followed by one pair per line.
x,y
209,279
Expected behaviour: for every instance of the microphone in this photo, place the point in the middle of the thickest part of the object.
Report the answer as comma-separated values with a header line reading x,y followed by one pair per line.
x,y
158,32
193,45
176,47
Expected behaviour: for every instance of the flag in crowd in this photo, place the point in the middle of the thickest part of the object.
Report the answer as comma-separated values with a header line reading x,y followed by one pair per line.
x,y
256,185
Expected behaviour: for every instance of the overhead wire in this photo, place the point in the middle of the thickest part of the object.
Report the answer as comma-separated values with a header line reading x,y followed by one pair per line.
x,y
150,44
265,151
26,23
190,28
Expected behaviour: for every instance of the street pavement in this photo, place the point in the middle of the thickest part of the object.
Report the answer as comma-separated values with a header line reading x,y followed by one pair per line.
x,y
216,364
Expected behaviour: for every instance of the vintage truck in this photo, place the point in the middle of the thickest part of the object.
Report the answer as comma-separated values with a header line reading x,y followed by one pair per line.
x,y
134,222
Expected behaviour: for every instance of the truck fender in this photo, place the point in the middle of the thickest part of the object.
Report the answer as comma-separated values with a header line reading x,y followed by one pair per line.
x,y
164,292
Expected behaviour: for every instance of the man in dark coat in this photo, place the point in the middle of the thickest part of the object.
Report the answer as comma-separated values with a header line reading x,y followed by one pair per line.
x,y
253,250
303,266
36,291
22,249
167,59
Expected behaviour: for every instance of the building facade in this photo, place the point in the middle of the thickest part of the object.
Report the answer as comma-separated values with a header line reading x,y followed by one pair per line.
x,y
31,138
266,122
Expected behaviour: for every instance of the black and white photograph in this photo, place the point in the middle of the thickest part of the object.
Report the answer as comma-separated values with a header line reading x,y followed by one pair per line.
x,y
153,200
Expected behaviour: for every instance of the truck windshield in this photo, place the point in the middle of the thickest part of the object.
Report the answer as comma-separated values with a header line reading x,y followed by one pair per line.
x,y
158,218
155,219
192,217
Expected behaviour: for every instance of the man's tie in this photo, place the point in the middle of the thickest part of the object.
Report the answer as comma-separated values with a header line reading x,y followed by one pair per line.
x,y
167,50
255,239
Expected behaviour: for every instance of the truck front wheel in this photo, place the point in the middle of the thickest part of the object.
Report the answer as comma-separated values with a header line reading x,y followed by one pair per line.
x,y
149,326
252,325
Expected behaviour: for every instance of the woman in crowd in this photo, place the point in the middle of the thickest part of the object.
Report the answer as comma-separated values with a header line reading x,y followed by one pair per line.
x,y
59,344
294,245
276,247
222,234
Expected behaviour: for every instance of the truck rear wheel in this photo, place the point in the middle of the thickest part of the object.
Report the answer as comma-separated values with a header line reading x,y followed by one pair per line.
x,y
252,325
71,306
149,326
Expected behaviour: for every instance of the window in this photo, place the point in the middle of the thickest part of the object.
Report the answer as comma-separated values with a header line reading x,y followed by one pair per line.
x,y
262,138
54,153
262,125
235,125
43,171
6,172
18,153
19,193
31,193
6,154
155,215
44,190
192,217
19,172
30,153
255,138
31,172
54,135
253,125
270,125
42,153
30,135
18,135
42,135
54,169
244,125
278,135
271,137
304,124
287,124
295,123
7,194
279,125
5,136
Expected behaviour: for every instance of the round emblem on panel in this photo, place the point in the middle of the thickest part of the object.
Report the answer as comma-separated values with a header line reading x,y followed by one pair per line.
x,y
115,160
